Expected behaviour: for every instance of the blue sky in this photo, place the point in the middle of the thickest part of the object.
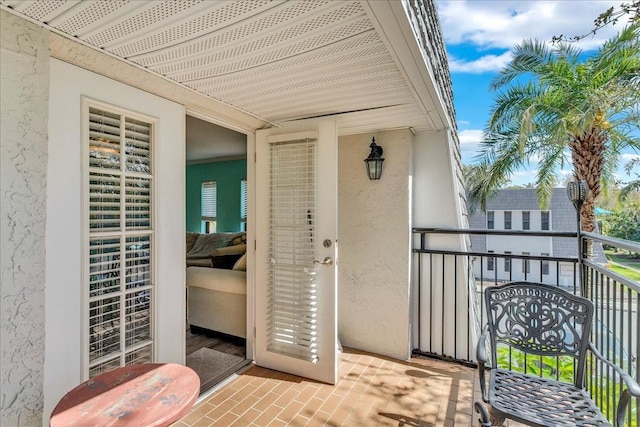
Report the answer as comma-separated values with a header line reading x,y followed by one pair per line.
x,y
479,36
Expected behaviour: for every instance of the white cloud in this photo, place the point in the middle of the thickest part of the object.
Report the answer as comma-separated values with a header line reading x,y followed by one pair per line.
x,y
469,144
627,157
502,24
524,177
487,63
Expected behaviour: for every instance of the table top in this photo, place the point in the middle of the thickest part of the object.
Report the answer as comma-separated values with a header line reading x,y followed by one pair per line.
x,y
146,395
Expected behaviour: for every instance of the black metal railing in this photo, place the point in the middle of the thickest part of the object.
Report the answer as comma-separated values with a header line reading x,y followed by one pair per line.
x,y
449,282
616,324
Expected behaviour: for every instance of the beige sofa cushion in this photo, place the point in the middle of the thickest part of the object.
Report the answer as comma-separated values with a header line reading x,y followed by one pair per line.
x,y
199,262
217,279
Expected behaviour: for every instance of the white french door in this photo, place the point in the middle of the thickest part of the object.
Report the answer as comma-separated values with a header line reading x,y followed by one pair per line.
x,y
296,236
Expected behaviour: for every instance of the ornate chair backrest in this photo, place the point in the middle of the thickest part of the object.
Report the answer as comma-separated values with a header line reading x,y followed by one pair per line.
x,y
541,320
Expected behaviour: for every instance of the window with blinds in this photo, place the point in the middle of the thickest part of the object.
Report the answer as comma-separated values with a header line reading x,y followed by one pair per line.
x,y
119,279
208,202
292,287
243,205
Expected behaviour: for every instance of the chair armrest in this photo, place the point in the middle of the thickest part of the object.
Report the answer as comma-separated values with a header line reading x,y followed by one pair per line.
x,y
483,358
632,387
631,383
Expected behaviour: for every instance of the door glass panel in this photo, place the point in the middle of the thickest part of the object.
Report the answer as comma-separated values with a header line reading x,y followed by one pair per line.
x,y
292,286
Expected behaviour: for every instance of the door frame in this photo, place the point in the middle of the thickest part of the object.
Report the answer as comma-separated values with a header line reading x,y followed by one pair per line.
x,y
251,238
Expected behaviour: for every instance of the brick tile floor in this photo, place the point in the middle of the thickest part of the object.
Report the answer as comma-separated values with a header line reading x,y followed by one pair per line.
x,y
371,391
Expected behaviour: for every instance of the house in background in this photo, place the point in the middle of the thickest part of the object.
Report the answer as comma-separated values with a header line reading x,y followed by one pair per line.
x,y
519,210
97,98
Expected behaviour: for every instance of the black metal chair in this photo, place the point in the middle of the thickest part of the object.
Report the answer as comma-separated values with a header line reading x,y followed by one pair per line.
x,y
530,325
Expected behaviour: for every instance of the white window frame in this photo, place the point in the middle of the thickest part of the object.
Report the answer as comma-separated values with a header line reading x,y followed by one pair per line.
x,y
526,225
508,224
126,354
526,264
542,220
544,266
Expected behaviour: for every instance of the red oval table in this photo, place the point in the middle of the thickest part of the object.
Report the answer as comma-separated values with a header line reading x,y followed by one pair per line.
x,y
142,395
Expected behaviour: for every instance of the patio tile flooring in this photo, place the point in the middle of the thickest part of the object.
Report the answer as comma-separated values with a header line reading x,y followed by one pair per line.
x,y
372,390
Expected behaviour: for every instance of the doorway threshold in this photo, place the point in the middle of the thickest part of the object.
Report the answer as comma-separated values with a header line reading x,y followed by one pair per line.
x,y
205,393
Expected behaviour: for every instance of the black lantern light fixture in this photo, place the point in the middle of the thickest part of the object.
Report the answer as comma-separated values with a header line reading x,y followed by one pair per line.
x,y
577,192
374,161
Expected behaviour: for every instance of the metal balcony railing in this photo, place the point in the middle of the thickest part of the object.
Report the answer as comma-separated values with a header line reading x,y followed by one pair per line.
x,y
448,284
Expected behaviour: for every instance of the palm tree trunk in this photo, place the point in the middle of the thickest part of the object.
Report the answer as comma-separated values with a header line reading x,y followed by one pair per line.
x,y
587,154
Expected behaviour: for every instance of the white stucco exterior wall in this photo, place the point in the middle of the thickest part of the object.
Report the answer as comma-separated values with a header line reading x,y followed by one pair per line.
x,y
24,85
64,304
449,328
373,245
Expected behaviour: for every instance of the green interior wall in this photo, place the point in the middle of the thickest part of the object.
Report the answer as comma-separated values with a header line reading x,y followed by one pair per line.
x,y
227,175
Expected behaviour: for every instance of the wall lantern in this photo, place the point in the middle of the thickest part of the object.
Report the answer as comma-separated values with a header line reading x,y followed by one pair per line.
x,y
374,161
577,192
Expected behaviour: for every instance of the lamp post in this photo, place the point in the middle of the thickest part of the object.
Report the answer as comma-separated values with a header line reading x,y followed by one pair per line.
x,y
577,192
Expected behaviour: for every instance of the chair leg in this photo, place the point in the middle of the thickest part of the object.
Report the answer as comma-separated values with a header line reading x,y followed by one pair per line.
x,y
496,420
484,419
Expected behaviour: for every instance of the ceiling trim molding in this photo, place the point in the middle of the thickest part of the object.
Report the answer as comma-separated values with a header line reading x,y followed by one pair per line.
x,y
393,26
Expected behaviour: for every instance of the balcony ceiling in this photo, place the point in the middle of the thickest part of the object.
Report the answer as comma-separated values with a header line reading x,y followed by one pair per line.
x,y
277,60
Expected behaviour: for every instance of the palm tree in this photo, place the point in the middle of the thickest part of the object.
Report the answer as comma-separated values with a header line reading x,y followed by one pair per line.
x,y
634,184
554,107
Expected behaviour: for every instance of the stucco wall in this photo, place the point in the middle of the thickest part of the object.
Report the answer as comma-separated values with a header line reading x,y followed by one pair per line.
x,y
373,245
24,85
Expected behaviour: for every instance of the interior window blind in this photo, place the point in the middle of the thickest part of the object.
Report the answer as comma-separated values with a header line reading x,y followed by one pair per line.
x,y
119,278
292,303
209,197
243,200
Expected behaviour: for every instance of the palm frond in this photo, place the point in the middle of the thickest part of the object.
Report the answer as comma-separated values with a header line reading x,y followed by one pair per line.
x,y
527,58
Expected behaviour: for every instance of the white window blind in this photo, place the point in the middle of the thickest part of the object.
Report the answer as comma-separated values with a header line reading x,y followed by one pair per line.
x,y
209,198
292,304
243,200
119,279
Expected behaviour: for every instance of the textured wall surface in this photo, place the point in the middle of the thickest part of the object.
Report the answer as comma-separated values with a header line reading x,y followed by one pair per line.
x,y
373,245
24,84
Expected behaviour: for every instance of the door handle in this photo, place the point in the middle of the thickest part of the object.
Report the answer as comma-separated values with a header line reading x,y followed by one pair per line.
x,y
328,261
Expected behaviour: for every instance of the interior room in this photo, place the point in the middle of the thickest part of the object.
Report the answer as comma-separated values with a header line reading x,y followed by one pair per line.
x,y
216,215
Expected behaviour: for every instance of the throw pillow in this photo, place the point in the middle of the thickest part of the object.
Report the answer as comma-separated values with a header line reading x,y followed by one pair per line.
x,y
241,264
239,239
